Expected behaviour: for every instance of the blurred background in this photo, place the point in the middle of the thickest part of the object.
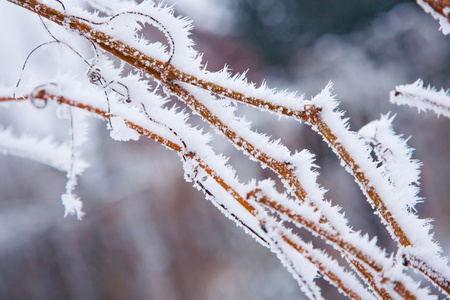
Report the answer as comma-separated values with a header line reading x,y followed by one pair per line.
x,y
147,234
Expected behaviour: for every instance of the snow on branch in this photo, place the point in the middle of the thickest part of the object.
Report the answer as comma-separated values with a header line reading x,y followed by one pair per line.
x,y
403,224
193,163
394,159
379,160
422,98
43,150
440,10
364,256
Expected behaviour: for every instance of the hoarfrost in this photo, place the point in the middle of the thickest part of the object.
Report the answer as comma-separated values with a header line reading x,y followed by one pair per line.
x,y
72,205
121,132
44,150
131,110
443,20
422,98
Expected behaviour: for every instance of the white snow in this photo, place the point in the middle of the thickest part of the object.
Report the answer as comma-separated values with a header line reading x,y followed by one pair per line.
x,y
43,150
443,20
128,99
422,98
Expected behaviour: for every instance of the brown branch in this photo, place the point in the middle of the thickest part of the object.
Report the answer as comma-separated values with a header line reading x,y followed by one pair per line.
x,y
281,168
43,95
437,278
322,127
166,73
317,122
347,249
439,6
284,172
158,70
288,174
332,277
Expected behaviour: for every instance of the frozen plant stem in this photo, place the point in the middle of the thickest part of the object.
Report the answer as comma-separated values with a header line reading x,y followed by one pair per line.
x,y
361,261
439,9
166,72
311,115
370,270
314,256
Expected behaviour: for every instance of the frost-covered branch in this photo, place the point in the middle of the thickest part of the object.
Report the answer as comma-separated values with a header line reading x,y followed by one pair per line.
x,y
363,254
43,150
132,110
422,98
440,10
284,243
